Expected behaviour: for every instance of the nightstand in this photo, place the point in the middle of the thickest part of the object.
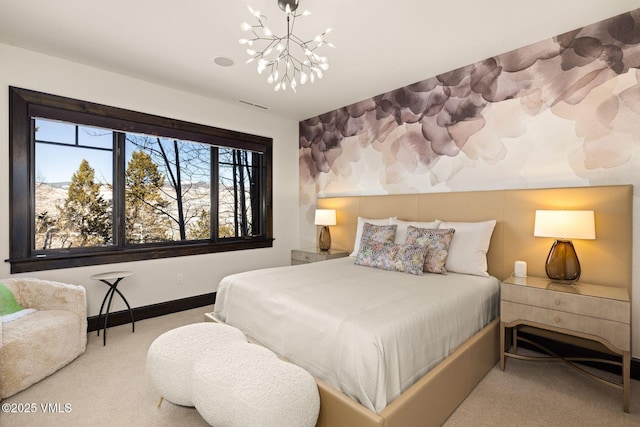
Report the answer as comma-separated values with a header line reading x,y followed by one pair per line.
x,y
305,256
588,312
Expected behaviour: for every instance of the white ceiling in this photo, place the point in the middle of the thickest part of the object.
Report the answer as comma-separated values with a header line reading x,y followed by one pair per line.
x,y
380,45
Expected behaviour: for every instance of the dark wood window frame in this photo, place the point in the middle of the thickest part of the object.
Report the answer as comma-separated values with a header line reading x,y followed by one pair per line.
x,y
25,104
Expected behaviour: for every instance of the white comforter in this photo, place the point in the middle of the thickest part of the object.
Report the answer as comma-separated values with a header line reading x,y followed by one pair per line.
x,y
369,333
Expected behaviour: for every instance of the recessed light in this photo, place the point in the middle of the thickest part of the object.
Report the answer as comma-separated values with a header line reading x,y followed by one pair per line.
x,y
223,61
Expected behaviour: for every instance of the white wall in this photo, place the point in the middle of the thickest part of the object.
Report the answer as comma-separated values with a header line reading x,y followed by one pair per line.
x,y
154,280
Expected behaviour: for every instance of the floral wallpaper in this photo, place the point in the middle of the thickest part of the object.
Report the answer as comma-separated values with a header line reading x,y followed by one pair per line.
x,y
561,112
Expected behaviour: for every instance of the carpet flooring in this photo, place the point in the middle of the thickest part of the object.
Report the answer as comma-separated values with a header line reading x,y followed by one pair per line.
x,y
108,386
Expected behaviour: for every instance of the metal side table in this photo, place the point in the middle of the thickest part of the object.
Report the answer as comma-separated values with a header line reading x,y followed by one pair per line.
x,y
112,279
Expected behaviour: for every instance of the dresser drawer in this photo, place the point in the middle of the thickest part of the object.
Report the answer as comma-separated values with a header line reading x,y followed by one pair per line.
x,y
300,257
616,333
609,309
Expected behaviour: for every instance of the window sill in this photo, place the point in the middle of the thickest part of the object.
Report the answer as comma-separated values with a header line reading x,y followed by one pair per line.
x,y
57,261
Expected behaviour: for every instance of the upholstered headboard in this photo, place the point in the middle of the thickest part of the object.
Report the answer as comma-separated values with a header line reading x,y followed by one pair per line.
x,y
606,260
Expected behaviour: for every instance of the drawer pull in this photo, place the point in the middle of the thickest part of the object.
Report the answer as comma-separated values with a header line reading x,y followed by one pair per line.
x,y
557,319
557,302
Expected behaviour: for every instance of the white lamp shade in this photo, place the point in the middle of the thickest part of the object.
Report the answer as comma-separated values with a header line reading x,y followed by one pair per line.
x,y
325,217
565,224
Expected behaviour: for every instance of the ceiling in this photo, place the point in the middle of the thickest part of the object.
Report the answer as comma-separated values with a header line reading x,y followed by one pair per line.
x,y
380,45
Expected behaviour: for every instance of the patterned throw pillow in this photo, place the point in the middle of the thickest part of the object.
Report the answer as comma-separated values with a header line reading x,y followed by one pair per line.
x,y
389,256
437,243
378,233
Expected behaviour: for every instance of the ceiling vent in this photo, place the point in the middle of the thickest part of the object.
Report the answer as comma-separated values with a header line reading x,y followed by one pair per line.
x,y
253,104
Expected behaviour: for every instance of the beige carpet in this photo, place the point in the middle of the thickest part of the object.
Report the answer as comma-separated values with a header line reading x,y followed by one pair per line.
x,y
108,386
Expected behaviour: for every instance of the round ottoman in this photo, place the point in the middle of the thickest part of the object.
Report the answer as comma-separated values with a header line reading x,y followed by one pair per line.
x,y
245,384
171,356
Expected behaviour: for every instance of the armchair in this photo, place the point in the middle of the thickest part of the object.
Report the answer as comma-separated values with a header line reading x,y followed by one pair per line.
x,y
35,346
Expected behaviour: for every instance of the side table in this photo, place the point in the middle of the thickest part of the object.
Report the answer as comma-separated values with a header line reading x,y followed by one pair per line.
x,y
305,256
112,279
585,311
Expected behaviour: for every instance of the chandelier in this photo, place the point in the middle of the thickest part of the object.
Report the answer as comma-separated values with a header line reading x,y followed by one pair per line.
x,y
288,59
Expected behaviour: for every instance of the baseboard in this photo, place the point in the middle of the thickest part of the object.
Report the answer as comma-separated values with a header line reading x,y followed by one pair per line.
x,y
568,350
139,313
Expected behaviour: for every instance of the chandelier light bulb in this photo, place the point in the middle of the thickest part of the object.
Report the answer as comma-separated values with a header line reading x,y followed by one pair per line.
x,y
255,13
262,65
296,61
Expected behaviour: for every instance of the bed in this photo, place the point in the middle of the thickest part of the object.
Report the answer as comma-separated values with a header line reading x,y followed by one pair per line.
x,y
371,349
334,303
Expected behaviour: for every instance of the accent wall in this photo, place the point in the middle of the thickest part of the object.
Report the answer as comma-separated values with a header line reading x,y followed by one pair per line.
x,y
563,112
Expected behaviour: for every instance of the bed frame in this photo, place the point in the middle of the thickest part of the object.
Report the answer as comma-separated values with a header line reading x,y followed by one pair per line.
x,y
607,261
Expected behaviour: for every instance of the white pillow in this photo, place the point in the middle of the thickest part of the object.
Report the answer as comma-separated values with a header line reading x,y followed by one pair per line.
x,y
17,315
361,221
469,246
401,231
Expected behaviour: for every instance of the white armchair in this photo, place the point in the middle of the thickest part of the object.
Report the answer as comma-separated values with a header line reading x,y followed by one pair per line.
x,y
35,346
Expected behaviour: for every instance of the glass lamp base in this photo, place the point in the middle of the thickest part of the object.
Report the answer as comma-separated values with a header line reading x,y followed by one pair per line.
x,y
562,263
324,242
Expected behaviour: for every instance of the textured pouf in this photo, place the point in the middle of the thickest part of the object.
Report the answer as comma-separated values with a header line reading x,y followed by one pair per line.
x,y
172,355
244,384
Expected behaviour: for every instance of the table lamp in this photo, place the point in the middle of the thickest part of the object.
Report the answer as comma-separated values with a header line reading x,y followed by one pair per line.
x,y
325,218
563,225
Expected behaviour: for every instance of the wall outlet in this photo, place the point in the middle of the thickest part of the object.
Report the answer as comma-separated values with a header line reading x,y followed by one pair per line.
x,y
179,279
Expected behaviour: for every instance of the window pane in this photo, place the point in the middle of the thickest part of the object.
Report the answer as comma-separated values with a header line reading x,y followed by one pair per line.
x,y
54,131
73,193
95,137
238,208
168,190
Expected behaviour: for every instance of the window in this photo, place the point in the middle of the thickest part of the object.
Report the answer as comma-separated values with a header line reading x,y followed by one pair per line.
x,y
92,184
